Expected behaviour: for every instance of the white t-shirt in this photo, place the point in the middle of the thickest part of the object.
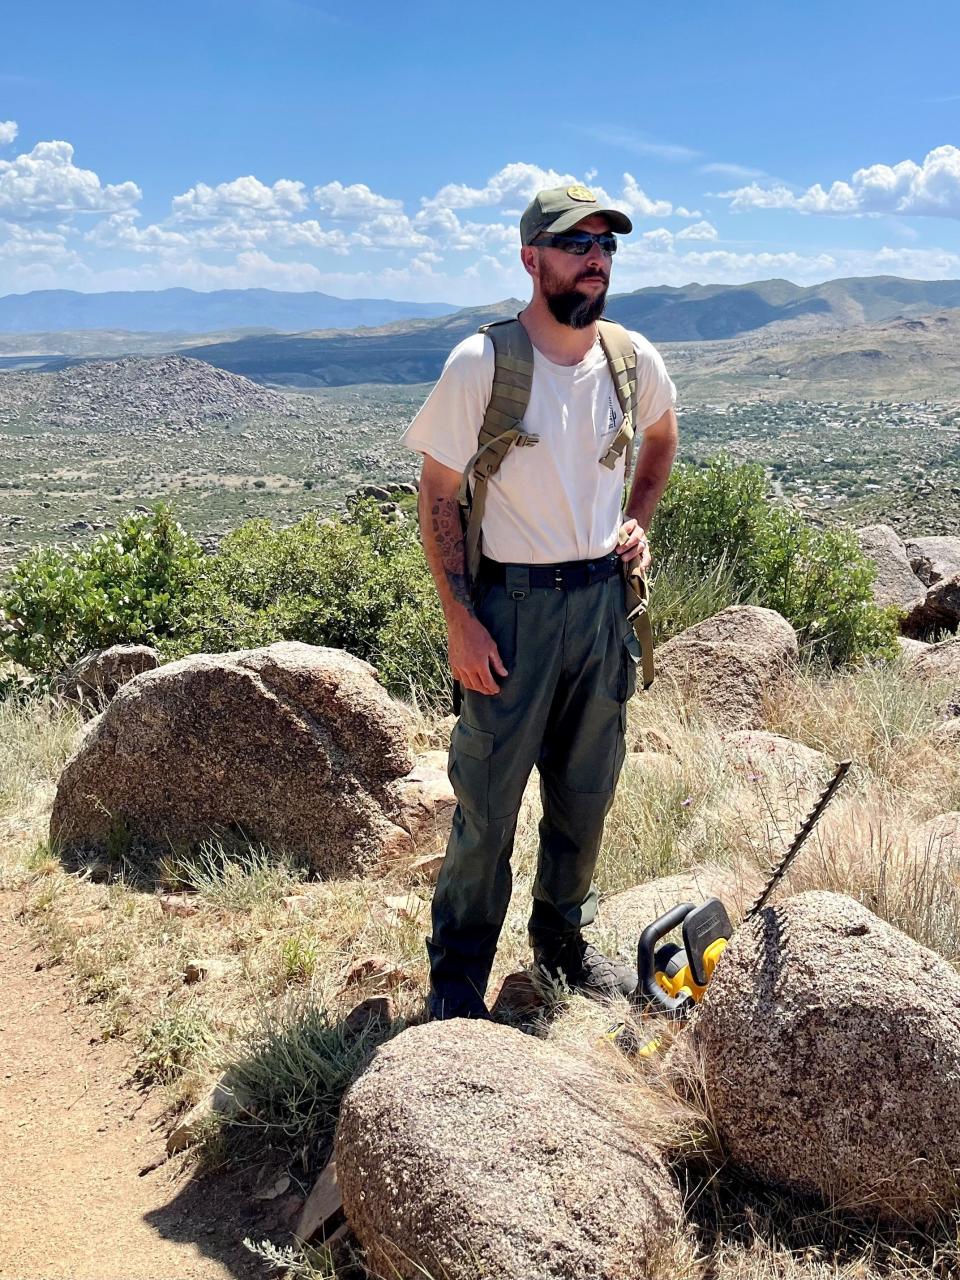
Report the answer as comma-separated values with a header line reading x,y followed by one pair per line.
x,y
552,501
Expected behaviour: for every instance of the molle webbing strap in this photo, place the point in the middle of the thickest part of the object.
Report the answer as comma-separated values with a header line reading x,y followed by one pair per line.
x,y
622,359
502,426
637,597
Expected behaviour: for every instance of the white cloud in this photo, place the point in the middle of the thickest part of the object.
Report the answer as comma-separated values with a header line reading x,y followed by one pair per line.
x,y
45,182
391,231
931,188
19,241
120,231
731,170
243,197
448,232
627,141
8,132
699,231
229,235
635,201
354,202
514,182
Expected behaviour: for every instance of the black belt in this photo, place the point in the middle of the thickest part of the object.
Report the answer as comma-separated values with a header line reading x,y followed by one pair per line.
x,y
562,577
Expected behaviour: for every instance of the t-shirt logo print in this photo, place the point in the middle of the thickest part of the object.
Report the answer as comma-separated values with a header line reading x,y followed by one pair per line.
x,y
612,420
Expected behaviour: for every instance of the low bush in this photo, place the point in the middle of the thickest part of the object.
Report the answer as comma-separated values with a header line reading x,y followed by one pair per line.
x,y
717,520
127,586
359,583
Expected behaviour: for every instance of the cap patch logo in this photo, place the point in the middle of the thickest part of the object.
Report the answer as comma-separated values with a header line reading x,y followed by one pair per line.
x,y
581,193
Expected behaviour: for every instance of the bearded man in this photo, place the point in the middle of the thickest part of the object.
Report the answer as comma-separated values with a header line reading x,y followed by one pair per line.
x,y
540,644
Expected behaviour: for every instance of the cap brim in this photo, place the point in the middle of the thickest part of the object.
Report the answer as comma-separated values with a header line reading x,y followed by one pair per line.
x,y
619,222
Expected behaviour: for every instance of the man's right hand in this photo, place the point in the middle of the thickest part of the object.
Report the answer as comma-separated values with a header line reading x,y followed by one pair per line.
x,y
474,657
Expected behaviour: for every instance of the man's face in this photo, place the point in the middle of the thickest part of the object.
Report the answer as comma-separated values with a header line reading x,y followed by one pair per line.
x,y
575,288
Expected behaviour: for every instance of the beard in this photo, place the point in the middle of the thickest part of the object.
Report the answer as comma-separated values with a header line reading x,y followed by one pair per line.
x,y
568,305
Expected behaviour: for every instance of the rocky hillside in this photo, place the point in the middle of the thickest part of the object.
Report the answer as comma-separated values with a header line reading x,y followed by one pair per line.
x,y
135,392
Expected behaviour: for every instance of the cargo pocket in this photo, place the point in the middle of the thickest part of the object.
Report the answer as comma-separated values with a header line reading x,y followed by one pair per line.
x,y
630,662
469,767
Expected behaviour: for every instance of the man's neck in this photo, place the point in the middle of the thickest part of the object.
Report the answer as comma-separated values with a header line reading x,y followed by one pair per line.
x,y
558,342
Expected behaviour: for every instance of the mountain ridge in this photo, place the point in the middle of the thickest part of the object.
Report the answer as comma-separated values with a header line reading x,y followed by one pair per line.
x,y
412,351
193,311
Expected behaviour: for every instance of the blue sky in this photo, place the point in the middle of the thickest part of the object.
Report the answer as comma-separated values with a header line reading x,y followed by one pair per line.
x,y
386,150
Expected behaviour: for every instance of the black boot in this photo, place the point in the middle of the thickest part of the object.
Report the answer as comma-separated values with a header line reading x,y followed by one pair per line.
x,y
455,1001
577,963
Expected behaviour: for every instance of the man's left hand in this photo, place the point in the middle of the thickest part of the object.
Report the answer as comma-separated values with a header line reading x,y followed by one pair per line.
x,y
633,546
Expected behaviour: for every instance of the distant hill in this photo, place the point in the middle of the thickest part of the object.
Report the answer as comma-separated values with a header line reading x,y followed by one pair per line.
x,y
414,350
908,358
186,310
710,312
405,352
137,392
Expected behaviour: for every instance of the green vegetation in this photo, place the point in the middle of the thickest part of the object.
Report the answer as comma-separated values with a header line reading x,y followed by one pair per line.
x,y
715,525
293,1066
125,587
235,877
360,582
174,1042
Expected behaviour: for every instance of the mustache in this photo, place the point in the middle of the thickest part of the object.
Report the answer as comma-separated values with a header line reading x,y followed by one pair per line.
x,y
594,275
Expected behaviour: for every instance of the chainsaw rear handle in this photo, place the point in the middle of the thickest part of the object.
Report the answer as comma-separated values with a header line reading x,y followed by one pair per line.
x,y
648,988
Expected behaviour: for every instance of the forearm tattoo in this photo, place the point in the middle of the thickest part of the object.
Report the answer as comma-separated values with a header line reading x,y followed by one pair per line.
x,y
448,535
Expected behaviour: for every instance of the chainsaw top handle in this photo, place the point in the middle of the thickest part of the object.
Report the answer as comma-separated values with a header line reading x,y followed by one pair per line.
x,y
648,988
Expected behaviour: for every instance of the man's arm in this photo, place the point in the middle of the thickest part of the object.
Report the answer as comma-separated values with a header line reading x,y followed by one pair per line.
x,y
654,462
473,654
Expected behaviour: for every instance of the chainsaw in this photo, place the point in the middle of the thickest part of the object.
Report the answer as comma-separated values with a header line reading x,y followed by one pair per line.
x,y
673,978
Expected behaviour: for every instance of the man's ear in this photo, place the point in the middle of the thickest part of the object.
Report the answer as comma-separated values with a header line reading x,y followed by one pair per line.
x,y
531,260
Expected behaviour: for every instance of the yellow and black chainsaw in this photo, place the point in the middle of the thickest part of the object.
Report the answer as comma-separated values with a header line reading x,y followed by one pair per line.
x,y
673,977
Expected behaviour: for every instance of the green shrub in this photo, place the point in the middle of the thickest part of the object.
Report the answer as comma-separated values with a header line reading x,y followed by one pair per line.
x,y
359,583
127,586
716,524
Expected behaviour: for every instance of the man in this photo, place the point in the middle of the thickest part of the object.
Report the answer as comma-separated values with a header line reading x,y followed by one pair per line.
x,y
540,644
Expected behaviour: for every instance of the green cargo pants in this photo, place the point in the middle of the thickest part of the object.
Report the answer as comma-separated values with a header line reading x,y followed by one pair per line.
x,y
572,661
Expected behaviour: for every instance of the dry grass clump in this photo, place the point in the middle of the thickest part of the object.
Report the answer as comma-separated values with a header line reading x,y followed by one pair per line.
x,y
36,737
883,717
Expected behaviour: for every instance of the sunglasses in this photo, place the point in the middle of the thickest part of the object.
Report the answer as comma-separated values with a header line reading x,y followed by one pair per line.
x,y
579,242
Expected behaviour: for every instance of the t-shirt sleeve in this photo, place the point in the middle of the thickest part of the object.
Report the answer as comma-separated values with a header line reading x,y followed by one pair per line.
x,y
655,390
449,421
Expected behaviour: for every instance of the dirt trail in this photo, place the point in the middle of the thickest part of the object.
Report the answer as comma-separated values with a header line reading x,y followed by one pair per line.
x,y
74,1135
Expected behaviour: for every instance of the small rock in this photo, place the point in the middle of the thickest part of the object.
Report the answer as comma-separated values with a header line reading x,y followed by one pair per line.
x,y
273,1187
516,997
374,1015
177,904
427,870
323,1204
376,968
400,908
222,1100
210,970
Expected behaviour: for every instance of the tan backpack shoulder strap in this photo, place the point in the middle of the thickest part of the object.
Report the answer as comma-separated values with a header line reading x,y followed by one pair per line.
x,y
502,426
622,358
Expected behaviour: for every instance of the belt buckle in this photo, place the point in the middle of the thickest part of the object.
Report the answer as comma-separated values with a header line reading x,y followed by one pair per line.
x,y
558,579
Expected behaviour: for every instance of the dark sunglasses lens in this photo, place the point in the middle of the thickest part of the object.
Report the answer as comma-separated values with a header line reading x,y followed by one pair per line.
x,y
581,243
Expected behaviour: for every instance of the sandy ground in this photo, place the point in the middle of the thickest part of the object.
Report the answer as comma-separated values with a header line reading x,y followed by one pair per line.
x,y
75,1134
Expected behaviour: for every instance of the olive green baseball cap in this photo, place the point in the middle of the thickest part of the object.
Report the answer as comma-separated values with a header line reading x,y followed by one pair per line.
x,y
561,208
